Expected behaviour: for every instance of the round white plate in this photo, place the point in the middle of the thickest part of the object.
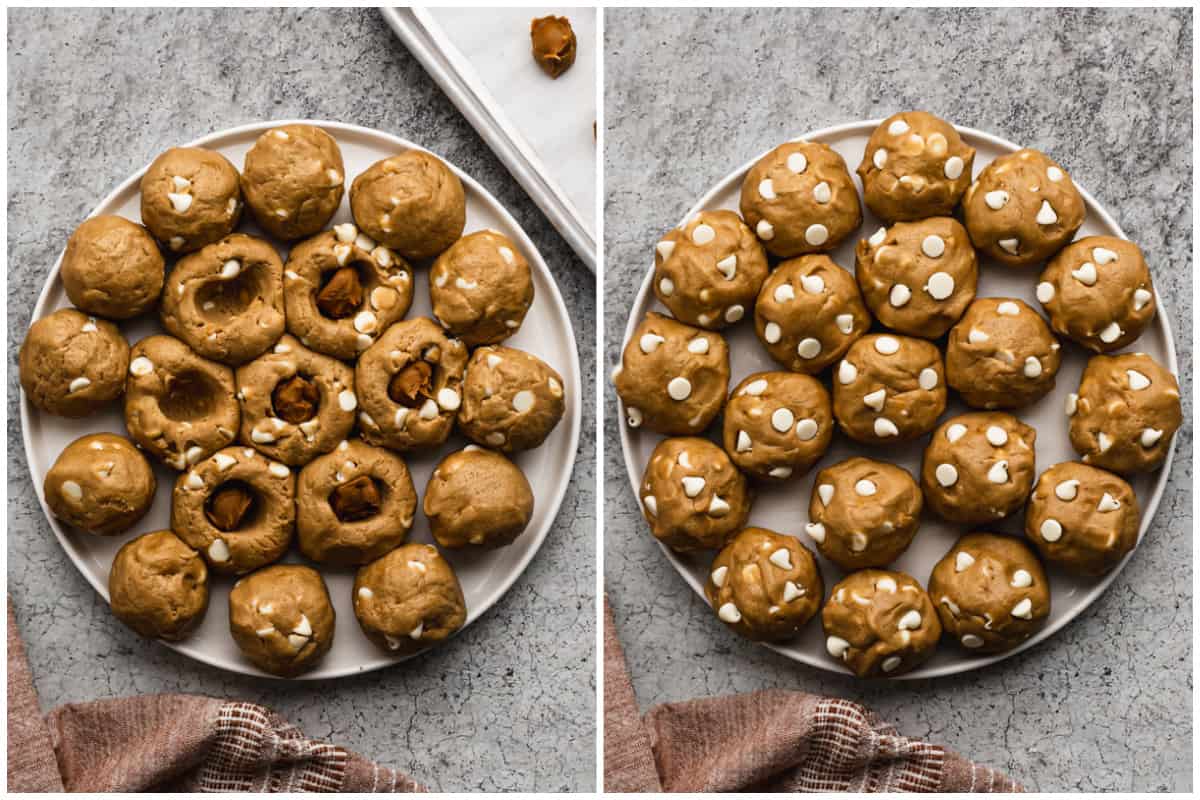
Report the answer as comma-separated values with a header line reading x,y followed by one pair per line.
x,y
785,508
485,577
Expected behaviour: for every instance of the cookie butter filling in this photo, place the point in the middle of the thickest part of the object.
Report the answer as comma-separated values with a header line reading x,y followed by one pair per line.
x,y
231,505
295,399
342,293
412,386
356,500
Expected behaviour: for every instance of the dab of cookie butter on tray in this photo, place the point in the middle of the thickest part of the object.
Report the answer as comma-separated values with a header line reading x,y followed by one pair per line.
x,y
553,44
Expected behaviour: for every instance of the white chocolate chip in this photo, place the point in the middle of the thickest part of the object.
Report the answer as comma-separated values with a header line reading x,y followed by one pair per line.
x,y
766,190
1046,215
729,613
825,492
898,127
940,285
835,645
1023,609
845,323
1009,309
822,193
781,558
797,163
429,410
507,255
955,432
885,427
946,475
1108,503
954,167
933,246
755,387
865,488
1033,367
1072,402
1111,333
1045,292
728,267
649,342
877,237
72,491
651,504
717,507
876,399
1149,437
1067,490
665,248
1141,298
911,621
734,313
1009,246
886,345
963,561
1085,274
847,372
808,348
976,336
813,284
806,429
347,400
996,199
998,473
899,295
448,399
971,640
782,419
1054,174
667,287
816,234
772,333
634,417
703,234
784,292
890,663
523,401
679,388
1137,381
693,485
141,366
996,436
1051,530
1103,442
743,442
815,531
223,461
180,202
1102,255
718,576
765,230
218,551
927,379
177,242
78,384
879,159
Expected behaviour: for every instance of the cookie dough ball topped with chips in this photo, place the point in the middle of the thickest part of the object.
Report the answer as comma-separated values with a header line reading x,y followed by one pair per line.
x,y
889,389
808,313
978,467
71,364
1082,518
1125,413
990,592
101,484
863,513
281,618
880,623
777,424
915,166
708,272
512,400
918,277
1098,293
672,377
1022,208
293,179
481,288
158,586
112,268
412,203
692,495
191,197
409,599
1001,354
764,586
799,198
477,499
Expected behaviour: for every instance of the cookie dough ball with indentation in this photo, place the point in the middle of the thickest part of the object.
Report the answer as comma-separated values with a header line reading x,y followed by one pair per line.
x,y
799,198
342,291
808,313
915,166
764,586
71,364
354,504
918,277
477,499
281,618
190,198
1082,518
158,586
481,288
553,44
1022,208
708,272
777,424
1125,413
112,268
863,513
889,389
409,599
990,592
1098,293
1001,354
979,467
512,400
692,495
672,377
412,203
178,406
101,484
237,508
293,179
880,623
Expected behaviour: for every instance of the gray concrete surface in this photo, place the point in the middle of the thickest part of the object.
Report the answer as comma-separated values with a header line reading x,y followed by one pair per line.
x,y
1107,704
93,96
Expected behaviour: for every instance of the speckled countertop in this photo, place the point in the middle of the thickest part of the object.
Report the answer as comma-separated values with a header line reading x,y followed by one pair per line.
x,y
93,96
1106,704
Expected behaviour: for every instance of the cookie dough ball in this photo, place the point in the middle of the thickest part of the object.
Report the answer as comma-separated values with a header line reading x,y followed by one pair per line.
x,y
808,313
226,300
1001,354
1081,518
990,592
481,288
915,166
1022,208
863,513
709,271
918,277
410,386
692,495
764,586
777,424
237,508
190,198
477,499
295,402
880,623
889,389
341,291
178,406
672,377
112,268
512,400
412,203
101,484
1098,293
281,618
292,180
158,586
354,504
71,364
979,467
409,599
553,44
799,198
1125,413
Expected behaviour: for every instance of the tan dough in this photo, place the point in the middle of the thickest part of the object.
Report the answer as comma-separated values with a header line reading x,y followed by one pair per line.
x,y
412,203
777,424
979,467
477,499
158,586
889,389
101,484
1081,518
512,400
880,623
292,180
481,288
72,365
112,268
1001,354
190,198
281,618
692,496
409,599
863,513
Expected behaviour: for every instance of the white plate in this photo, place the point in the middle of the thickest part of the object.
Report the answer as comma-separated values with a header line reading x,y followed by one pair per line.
x,y
784,508
485,577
